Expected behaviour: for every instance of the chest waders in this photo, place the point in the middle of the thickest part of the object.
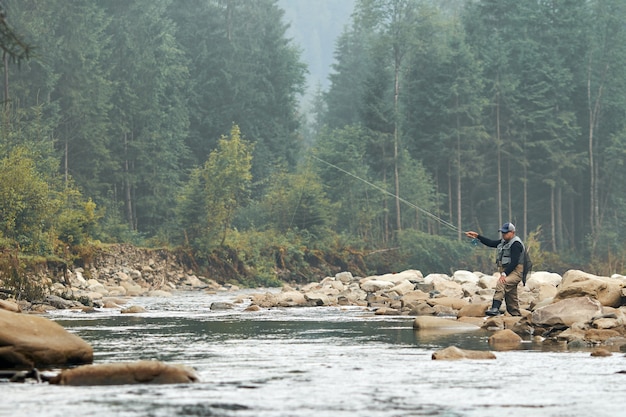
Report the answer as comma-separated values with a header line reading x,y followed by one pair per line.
x,y
503,259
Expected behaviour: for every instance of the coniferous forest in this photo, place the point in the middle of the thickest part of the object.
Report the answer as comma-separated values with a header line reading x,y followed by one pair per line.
x,y
170,123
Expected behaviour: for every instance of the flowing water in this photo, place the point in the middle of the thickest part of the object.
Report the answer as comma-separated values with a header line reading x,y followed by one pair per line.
x,y
318,362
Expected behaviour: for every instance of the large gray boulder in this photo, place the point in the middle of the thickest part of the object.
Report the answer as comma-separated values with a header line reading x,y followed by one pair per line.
x,y
567,312
454,353
28,341
142,372
430,323
577,283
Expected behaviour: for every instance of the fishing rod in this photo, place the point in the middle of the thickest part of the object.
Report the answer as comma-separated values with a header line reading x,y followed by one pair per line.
x,y
431,215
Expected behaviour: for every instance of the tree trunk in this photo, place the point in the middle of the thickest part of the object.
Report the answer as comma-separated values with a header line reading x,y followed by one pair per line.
x,y
395,141
459,226
5,60
127,186
499,157
594,112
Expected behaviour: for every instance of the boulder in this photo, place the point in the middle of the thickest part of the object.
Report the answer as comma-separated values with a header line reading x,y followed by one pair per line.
x,y
600,335
133,309
290,298
447,288
61,303
221,305
430,278
403,287
600,352
142,372
9,306
473,310
567,312
28,341
454,353
505,336
541,278
375,285
410,275
430,323
454,303
581,284
463,277
345,277
414,296
320,299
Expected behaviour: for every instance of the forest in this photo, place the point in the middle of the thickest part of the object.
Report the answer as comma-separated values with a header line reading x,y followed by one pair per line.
x,y
177,124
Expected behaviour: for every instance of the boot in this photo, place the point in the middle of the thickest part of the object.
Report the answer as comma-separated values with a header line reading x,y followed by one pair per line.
x,y
495,308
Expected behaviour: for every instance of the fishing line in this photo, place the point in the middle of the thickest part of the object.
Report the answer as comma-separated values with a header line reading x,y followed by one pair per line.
x,y
439,219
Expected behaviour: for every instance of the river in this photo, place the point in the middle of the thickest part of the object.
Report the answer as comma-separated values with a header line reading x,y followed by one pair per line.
x,y
317,362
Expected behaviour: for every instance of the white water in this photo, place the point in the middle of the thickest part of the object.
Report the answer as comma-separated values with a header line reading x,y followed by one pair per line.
x,y
315,362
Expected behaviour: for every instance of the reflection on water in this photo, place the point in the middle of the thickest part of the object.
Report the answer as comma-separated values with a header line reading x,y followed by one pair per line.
x,y
316,362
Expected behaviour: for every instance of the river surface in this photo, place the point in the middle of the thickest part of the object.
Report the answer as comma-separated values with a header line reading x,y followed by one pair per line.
x,y
317,362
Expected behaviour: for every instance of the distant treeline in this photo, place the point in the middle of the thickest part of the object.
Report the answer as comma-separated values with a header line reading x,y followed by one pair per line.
x,y
176,123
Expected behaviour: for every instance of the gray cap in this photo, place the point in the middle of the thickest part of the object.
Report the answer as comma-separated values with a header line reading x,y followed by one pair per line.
x,y
507,227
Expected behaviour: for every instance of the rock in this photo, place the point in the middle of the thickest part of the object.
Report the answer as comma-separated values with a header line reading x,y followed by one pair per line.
x,y
505,336
290,298
541,278
95,286
454,303
403,287
600,352
320,299
567,312
220,305
606,323
132,289
463,277
422,309
133,309
473,310
409,275
414,296
600,335
194,282
444,311
454,353
9,306
493,323
345,277
428,322
447,288
543,293
142,372
386,311
117,291
375,285
581,284
61,303
28,341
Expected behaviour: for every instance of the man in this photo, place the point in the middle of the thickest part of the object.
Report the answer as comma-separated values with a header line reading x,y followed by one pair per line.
x,y
510,261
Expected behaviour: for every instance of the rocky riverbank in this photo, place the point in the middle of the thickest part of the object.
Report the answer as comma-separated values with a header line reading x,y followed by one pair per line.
x,y
110,277
573,311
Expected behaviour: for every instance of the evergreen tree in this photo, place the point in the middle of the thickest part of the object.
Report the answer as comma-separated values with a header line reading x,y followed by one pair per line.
x,y
150,114
246,72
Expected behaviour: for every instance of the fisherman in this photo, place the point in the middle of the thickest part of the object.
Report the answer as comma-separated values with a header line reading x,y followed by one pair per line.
x,y
510,261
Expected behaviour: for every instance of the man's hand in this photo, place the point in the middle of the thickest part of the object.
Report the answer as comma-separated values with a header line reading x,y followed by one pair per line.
x,y
502,278
471,235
